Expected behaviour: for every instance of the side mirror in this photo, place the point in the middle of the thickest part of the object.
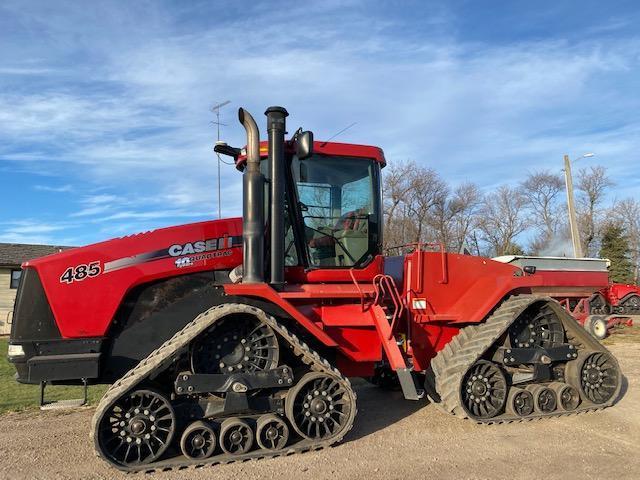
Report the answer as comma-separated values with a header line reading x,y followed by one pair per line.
x,y
304,144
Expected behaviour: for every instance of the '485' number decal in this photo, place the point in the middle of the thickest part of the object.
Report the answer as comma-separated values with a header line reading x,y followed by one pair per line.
x,y
80,272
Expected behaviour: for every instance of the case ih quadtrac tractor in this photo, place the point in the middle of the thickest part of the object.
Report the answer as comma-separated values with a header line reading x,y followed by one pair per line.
x,y
234,339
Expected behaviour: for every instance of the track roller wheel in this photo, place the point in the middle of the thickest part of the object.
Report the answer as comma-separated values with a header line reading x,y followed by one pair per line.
x,y
568,396
236,436
272,432
484,390
520,402
198,440
595,374
544,399
597,326
137,429
320,407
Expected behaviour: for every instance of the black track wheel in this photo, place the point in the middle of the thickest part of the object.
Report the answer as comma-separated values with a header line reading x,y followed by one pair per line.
x,y
520,402
568,396
198,441
236,436
237,344
544,398
320,407
484,390
596,375
272,432
138,428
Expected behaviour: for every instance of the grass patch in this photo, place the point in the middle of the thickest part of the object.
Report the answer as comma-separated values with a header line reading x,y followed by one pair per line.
x,y
15,396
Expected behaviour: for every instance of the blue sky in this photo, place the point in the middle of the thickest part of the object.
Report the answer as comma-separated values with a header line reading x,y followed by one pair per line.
x,y
105,126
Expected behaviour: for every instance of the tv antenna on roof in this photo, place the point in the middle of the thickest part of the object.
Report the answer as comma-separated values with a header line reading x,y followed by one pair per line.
x,y
216,109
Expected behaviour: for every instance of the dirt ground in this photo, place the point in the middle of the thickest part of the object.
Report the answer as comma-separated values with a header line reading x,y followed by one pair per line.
x,y
392,438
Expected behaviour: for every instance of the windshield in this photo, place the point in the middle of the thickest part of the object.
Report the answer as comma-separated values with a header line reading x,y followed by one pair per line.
x,y
338,207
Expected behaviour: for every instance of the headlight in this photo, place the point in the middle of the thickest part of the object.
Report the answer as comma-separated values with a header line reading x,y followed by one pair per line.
x,y
15,351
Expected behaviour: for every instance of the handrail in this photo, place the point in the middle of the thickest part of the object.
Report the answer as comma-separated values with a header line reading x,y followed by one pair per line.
x,y
355,282
384,286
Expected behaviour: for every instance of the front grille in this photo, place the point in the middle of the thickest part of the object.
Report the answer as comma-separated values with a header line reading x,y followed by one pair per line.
x,y
32,315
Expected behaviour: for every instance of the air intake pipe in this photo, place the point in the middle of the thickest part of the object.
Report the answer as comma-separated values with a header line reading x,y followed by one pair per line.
x,y
276,128
253,205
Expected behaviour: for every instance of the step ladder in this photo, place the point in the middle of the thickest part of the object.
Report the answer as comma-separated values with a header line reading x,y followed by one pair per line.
x,y
63,404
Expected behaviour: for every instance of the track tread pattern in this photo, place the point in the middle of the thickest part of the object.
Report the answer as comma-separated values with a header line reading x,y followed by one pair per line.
x,y
160,358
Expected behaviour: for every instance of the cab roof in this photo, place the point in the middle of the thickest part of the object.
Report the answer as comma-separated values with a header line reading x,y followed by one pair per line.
x,y
328,148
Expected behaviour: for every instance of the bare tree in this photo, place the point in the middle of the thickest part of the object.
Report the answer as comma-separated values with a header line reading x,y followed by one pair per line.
x,y
455,215
502,219
592,185
543,193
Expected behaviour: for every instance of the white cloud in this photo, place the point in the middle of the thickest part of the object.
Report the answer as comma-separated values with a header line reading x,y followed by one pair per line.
x,y
132,116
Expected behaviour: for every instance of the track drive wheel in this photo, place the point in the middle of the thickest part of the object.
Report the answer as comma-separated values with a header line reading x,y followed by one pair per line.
x,y
484,390
198,440
236,436
237,344
320,407
596,375
272,432
138,428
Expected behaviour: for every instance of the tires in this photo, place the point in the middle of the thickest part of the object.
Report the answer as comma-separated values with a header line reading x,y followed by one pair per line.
x,y
597,326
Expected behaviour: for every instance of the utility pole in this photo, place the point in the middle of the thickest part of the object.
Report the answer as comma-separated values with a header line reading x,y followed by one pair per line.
x,y
573,222
216,109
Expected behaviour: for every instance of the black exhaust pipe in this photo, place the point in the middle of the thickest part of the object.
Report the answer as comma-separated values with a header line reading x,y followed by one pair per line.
x,y
276,128
253,205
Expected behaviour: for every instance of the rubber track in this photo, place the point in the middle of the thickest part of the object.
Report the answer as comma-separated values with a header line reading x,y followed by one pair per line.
x,y
163,356
459,355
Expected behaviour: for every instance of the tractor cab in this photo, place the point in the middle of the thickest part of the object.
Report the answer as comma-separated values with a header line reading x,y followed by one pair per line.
x,y
331,210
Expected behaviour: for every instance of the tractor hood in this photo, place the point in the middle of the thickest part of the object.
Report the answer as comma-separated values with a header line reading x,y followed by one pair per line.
x,y
84,286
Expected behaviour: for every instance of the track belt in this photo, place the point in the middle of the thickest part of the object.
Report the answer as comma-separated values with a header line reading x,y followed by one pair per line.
x,y
177,345
466,348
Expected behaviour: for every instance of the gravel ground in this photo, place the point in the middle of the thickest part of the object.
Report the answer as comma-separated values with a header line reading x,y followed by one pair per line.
x,y
392,438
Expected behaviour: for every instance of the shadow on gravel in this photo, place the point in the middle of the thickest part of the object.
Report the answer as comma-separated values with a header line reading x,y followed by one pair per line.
x,y
379,408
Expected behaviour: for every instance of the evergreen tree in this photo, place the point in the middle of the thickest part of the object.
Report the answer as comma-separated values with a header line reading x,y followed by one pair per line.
x,y
615,247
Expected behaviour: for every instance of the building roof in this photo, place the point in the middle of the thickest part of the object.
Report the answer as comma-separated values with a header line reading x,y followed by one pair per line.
x,y
14,254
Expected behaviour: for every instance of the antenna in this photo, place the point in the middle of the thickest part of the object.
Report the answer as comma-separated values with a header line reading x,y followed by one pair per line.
x,y
216,109
341,131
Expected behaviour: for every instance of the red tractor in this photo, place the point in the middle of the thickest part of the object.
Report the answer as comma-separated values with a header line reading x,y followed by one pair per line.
x,y
234,339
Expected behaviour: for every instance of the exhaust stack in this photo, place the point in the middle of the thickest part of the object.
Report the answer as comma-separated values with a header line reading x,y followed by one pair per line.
x,y
253,205
276,128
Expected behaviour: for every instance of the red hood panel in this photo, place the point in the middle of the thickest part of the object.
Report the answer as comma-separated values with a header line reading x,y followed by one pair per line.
x,y
86,285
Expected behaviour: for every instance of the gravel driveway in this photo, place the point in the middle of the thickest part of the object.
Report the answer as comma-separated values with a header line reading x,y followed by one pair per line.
x,y
392,438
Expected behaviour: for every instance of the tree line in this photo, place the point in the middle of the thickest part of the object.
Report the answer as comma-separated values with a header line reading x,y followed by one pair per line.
x,y
525,218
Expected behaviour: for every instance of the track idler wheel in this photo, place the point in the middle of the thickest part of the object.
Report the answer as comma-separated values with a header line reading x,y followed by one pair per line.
x,y
137,429
484,390
272,432
595,374
198,440
320,406
236,436
544,398
568,397
520,402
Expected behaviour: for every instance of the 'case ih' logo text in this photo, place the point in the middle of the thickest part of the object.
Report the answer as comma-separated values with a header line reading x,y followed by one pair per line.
x,y
201,246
